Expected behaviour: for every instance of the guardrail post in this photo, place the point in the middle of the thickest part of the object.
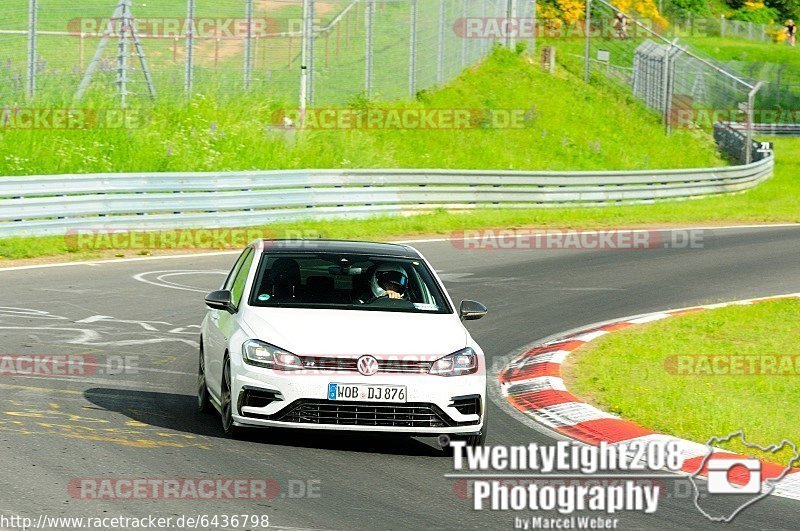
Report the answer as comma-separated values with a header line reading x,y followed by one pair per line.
x,y
32,24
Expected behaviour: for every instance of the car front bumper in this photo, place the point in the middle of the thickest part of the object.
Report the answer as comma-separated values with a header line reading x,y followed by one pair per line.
x,y
300,400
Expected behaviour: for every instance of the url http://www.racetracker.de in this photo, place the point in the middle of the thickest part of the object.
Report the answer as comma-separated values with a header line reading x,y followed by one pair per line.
x,y
197,521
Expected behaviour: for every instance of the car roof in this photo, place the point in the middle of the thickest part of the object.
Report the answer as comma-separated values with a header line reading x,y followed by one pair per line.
x,y
394,250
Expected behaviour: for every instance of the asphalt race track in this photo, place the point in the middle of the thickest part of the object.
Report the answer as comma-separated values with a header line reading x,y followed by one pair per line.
x,y
143,424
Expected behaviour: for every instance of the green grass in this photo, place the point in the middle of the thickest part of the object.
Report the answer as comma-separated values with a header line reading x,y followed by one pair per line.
x,y
632,373
774,201
726,49
569,121
570,127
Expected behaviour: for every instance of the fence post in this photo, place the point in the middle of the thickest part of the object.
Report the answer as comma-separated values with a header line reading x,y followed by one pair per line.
x,y
312,44
82,51
304,66
122,54
412,52
248,43
587,46
722,25
32,23
370,18
534,27
664,75
484,43
511,40
189,80
464,40
751,103
667,80
440,53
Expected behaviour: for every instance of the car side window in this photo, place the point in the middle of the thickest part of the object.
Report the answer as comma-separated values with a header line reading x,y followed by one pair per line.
x,y
235,270
237,289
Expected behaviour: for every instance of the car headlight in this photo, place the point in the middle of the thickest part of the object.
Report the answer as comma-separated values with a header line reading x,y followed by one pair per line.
x,y
262,354
462,362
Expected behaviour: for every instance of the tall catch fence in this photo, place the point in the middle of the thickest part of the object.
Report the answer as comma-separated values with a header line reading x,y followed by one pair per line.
x,y
321,51
688,89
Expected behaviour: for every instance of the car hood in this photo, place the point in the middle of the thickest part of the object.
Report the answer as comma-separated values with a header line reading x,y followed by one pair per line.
x,y
356,333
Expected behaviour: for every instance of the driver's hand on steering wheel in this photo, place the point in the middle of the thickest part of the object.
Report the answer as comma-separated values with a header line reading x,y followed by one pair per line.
x,y
393,295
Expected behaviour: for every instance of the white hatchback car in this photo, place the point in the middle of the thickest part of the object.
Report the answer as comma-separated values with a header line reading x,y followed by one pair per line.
x,y
341,335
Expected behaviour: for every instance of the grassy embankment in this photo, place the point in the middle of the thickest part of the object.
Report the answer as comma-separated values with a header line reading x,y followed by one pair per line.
x,y
570,127
664,375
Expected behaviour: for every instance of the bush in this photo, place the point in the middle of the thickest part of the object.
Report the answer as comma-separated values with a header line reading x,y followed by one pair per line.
x,y
786,8
684,8
756,12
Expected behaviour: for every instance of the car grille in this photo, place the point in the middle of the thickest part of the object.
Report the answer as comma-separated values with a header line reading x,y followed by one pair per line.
x,y
416,415
351,365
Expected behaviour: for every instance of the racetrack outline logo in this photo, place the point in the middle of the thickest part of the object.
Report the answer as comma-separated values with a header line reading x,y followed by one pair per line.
x,y
767,486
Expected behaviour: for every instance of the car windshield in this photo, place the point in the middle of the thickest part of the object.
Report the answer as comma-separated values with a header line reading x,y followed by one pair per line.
x,y
348,282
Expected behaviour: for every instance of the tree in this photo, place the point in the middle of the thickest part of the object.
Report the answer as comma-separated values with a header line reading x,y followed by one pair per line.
x,y
786,8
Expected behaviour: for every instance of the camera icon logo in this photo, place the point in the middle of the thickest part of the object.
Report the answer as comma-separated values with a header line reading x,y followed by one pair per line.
x,y
735,481
721,473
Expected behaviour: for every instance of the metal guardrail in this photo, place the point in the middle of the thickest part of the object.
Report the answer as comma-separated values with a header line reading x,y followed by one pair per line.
x,y
47,205
732,138
778,129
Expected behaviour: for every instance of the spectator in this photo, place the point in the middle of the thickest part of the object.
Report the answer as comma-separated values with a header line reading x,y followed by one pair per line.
x,y
791,32
621,25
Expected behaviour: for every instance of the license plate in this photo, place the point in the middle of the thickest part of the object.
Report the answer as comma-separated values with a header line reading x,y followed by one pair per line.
x,y
366,393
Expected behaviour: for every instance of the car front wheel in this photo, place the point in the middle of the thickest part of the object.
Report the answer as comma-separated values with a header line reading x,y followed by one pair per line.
x,y
203,402
473,440
228,425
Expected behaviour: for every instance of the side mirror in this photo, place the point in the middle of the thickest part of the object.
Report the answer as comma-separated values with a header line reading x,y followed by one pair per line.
x,y
220,300
472,311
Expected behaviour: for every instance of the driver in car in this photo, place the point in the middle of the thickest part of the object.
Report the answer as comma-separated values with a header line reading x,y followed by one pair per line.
x,y
390,281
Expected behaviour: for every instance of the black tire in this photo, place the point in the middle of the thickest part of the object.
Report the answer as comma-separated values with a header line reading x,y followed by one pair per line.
x,y
480,439
203,401
228,426
474,440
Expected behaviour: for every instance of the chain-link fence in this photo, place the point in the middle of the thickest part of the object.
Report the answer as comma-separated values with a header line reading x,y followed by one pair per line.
x,y
739,29
781,84
687,88
67,51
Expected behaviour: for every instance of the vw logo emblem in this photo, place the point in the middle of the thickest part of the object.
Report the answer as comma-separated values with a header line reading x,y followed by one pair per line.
x,y
367,365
